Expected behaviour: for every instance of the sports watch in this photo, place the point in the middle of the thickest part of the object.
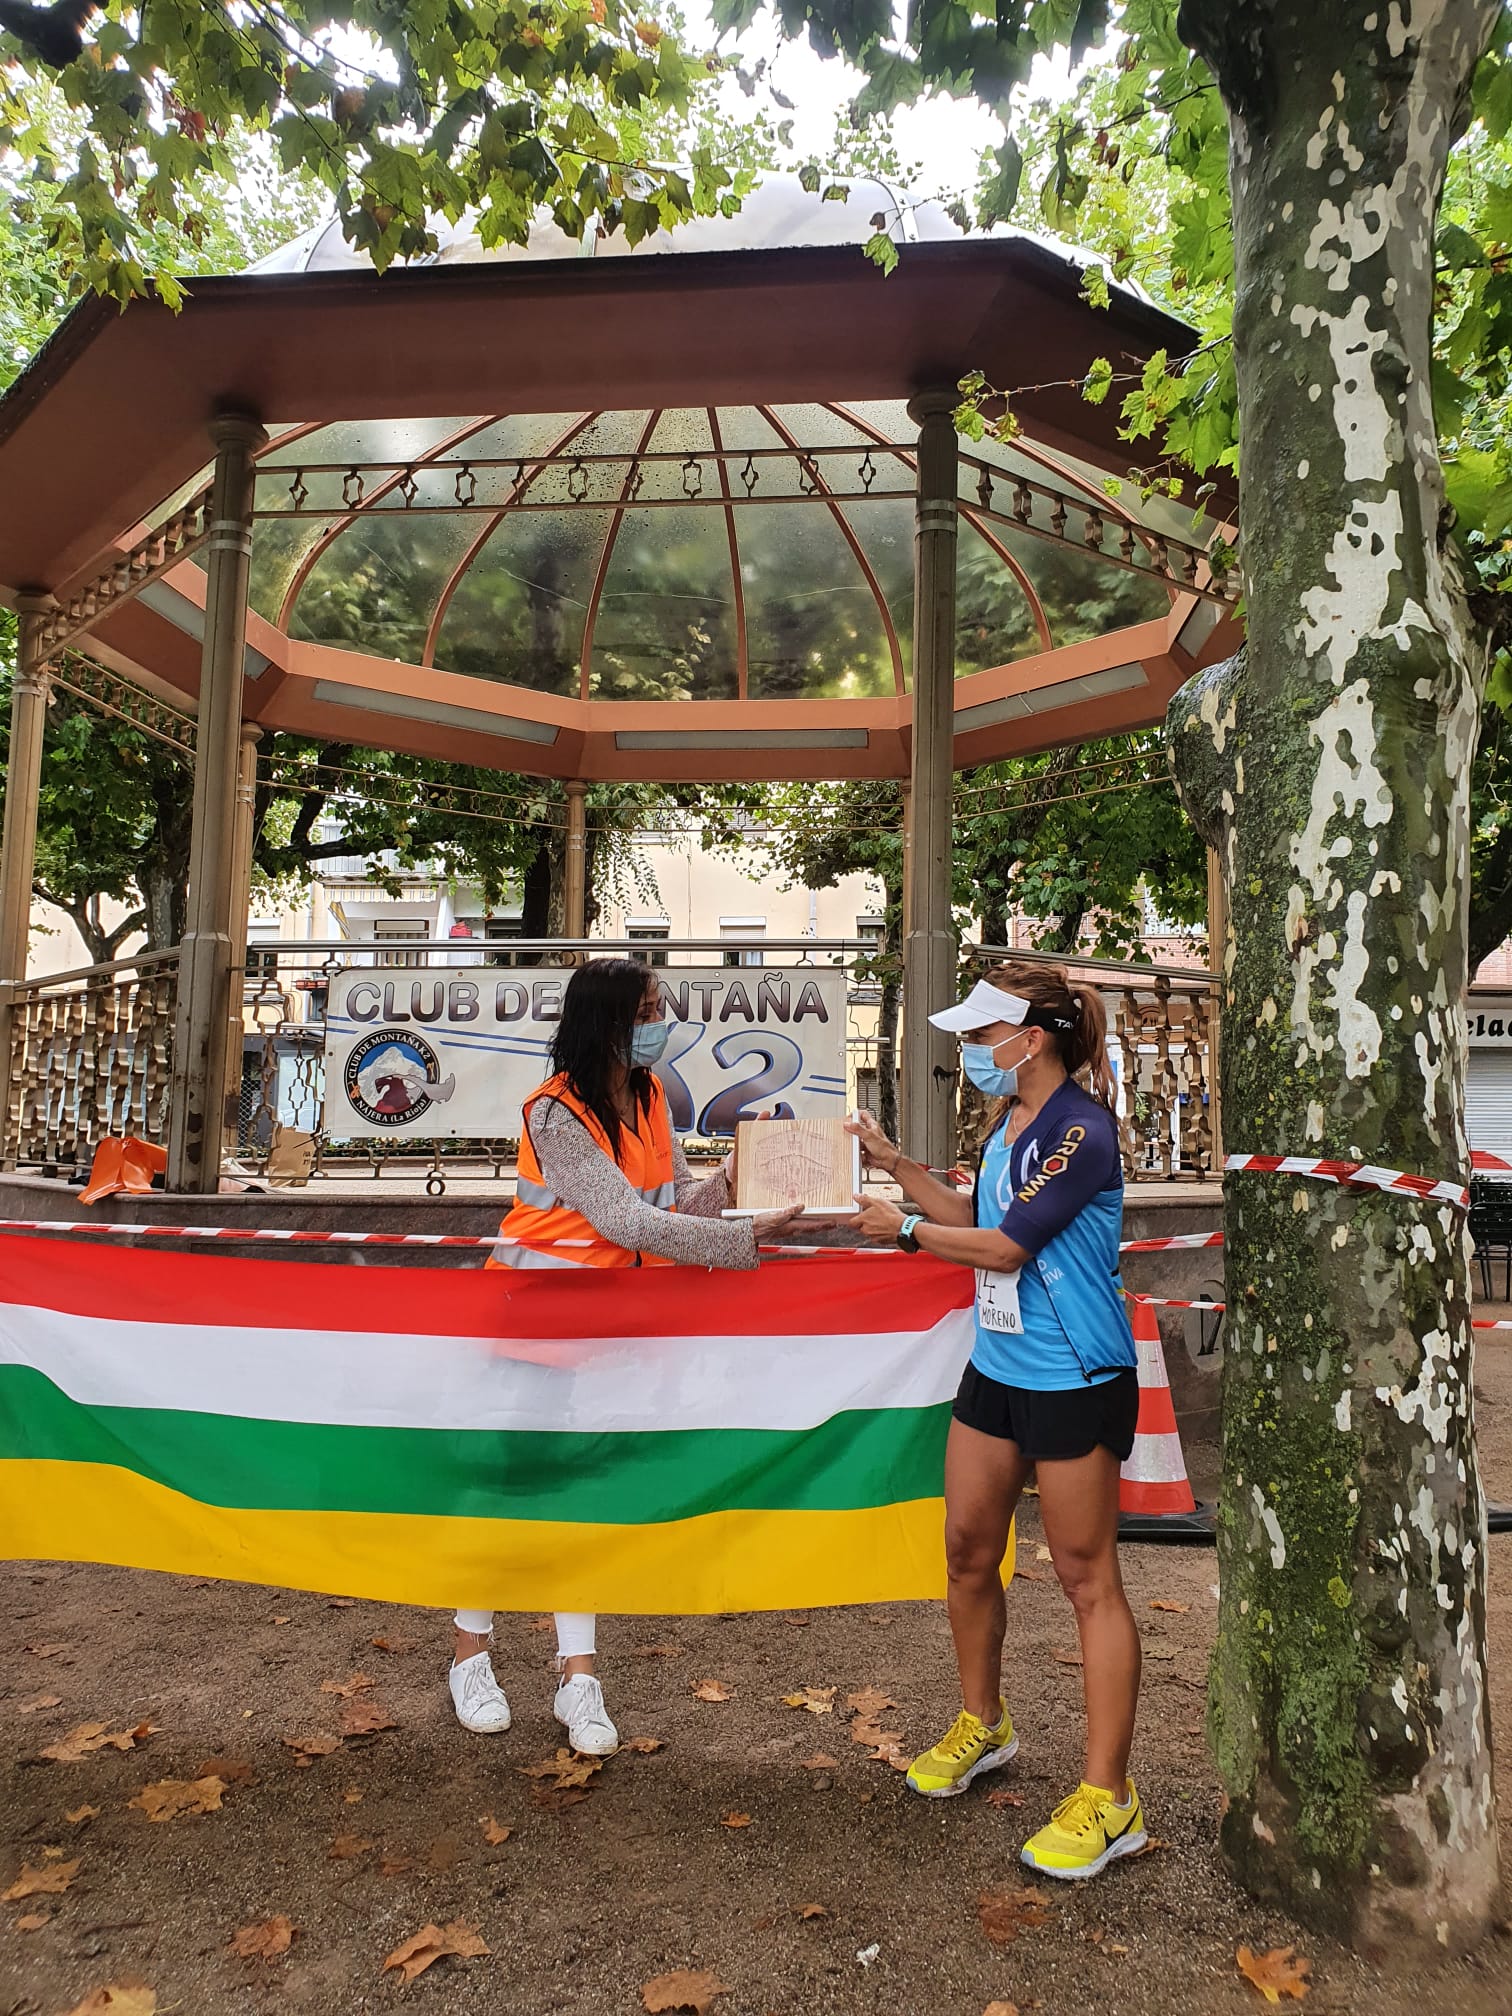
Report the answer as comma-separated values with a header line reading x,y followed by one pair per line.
x,y
908,1238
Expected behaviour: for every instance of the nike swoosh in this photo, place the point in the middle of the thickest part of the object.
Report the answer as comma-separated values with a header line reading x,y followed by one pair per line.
x,y
1108,1833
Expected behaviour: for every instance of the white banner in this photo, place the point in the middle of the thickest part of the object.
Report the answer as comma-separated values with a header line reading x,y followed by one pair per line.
x,y
452,1052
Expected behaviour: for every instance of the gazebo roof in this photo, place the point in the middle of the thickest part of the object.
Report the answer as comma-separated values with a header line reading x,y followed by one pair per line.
x,y
613,484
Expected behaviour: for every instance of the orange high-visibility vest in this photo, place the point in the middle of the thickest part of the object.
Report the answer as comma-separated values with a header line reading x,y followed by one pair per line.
x,y
540,1218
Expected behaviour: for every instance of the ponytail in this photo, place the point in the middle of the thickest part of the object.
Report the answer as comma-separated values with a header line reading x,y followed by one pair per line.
x,y
1083,1045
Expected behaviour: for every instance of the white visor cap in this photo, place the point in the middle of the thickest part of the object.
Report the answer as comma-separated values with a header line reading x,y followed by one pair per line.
x,y
985,1004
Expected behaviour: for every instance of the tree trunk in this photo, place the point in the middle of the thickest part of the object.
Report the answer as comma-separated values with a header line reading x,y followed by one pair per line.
x,y
1330,765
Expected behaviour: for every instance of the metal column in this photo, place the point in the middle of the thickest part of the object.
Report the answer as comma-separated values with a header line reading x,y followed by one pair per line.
x,y
929,944
1218,928
18,851
209,955
241,905
575,893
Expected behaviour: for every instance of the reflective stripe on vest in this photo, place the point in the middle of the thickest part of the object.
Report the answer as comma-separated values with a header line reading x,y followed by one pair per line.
x,y
540,1219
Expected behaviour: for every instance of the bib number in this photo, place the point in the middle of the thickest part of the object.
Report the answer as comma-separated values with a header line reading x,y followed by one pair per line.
x,y
997,1302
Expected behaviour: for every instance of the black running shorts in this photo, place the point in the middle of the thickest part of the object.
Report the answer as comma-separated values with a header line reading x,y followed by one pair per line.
x,y
1068,1423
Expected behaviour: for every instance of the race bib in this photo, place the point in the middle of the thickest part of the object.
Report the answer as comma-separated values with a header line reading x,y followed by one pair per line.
x,y
997,1302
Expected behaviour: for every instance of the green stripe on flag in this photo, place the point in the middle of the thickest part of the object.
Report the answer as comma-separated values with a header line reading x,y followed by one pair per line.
x,y
854,1460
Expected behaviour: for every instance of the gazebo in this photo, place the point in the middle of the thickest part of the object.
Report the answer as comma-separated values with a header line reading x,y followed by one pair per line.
x,y
698,512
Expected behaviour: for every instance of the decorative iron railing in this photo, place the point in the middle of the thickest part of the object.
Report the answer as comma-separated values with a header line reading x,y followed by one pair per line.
x,y
93,1049
92,1054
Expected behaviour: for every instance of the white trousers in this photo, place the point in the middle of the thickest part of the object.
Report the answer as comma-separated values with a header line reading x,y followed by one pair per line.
x,y
575,1630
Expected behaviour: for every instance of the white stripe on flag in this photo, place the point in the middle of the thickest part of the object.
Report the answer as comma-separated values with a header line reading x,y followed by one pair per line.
x,y
608,1385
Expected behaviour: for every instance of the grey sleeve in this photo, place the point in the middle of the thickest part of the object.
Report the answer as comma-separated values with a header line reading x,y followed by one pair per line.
x,y
577,1170
698,1196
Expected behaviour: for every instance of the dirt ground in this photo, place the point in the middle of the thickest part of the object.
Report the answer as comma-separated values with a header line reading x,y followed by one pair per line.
x,y
594,1894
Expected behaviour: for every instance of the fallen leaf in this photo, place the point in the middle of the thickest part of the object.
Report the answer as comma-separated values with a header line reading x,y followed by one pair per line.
x,y
77,1815
1001,2009
798,1623
1152,1847
306,1748
121,1998
735,1820
34,1921
713,1690
683,1990
230,1770
52,1854
396,1865
644,1745
432,1943
1003,1797
869,1703
345,1846
397,1646
50,1881
264,1941
90,1736
1028,1575
1179,1609
352,1796
819,1762
365,1718
46,1651
280,1620
1005,1913
763,1924
341,1602
891,1751
358,1684
1066,1658
39,1701
493,1833
1042,1553
812,1911
817,1700
1112,1948
170,1797
547,1799
656,1651
546,1623
868,1954
565,1770
1160,1651
1276,1973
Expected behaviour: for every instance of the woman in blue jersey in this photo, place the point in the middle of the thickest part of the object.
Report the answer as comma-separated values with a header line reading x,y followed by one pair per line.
x,y
1051,1386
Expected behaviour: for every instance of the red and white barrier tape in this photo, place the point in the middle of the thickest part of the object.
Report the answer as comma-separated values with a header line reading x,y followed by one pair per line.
x,y
1169,1302
1178,1242
234,1233
1354,1175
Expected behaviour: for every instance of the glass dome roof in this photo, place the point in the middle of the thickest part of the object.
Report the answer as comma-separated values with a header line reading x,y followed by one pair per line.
x,y
761,552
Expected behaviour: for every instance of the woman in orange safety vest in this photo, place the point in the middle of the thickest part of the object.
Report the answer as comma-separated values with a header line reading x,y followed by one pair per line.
x,y
602,1183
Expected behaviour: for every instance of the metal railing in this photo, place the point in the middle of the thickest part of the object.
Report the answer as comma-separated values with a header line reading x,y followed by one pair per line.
x,y
92,1054
93,1048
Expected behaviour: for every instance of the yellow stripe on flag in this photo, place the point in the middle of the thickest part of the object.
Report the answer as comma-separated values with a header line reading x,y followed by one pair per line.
x,y
736,1560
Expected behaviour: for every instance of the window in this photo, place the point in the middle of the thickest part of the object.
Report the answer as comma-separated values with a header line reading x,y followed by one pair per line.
x,y
742,938
391,930
262,965
648,931
497,930
869,931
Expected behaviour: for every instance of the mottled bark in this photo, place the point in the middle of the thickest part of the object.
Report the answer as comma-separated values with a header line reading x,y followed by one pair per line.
x,y
1330,765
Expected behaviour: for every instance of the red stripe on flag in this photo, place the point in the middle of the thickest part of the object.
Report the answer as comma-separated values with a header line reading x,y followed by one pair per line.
x,y
843,1293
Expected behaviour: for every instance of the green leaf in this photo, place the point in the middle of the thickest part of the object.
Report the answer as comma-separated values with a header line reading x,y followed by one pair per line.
x,y
1479,487
1098,381
892,80
999,193
880,249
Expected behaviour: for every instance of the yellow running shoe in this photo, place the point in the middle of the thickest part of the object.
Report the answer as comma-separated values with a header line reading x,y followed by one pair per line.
x,y
970,1749
1086,1832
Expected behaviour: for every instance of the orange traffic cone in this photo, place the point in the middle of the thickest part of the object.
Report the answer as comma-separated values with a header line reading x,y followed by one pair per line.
x,y
1155,1499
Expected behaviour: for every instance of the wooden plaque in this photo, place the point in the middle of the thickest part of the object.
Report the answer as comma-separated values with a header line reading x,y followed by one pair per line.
x,y
811,1163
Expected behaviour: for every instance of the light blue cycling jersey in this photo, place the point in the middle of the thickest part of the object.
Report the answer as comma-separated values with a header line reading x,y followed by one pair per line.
x,y
1058,1192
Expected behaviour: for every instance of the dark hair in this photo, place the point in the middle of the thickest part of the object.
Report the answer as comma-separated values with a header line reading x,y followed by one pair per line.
x,y
1073,1018
594,1035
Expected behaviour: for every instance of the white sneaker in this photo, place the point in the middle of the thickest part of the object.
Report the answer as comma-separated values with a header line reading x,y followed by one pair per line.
x,y
579,1707
477,1696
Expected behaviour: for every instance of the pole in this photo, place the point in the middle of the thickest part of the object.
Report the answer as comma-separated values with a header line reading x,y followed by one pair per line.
x,y
576,893
929,946
241,905
18,849
207,956
1218,928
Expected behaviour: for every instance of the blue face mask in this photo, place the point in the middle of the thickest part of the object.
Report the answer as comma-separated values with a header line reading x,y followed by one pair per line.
x,y
648,1043
979,1063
